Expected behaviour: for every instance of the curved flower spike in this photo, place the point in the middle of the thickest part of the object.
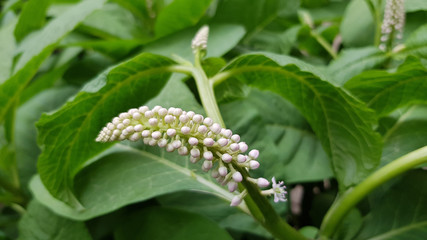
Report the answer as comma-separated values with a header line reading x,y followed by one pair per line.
x,y
190,134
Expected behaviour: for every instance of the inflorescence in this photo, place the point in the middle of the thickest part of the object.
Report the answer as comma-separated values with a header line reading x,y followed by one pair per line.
x,y
393,23
191,134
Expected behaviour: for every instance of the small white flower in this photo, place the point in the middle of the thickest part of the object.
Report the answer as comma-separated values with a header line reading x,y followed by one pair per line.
x,y
279,191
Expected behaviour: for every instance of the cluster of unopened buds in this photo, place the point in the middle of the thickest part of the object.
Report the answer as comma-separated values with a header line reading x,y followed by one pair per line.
x,y
393,22
191,134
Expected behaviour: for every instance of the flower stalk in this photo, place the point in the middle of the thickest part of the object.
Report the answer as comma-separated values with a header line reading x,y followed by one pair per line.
x,y
349,199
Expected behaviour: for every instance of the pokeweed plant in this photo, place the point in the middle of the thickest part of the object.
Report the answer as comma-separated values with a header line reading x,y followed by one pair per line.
x,y
122,152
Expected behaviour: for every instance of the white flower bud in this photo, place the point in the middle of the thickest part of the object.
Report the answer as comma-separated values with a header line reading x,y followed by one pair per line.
x,y
237,176
208,121
171,132
232,186
222,171
183,150
254,154
195,152
226,158
185,130
262,182
236,201
208,155
253,164
241,158
208,142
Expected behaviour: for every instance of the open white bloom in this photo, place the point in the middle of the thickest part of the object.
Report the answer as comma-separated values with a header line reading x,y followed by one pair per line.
x,y
279,190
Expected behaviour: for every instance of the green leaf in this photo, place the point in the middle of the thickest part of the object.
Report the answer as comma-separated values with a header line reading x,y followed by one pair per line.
x,y
41,223
342,124
222,38
111,22
167,223
106,177
415,5
27,115
385,92
67,136
288,148
399,213
180,14
32,17
407,134
416,44
7,50
37,48
213,207
354,61
126,176
357,31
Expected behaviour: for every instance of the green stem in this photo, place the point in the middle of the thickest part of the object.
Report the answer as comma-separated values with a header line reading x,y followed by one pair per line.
x,y
206,92
376,15
353,196
322,41
258,205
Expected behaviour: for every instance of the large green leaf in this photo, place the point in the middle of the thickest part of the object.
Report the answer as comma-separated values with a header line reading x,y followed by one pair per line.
x,y
37,48
158,223
127,176
105,178
27,115
399,213
111,22
7,48
354,61
213,207
288,148
416,44
415,5
67,136
357,31
342,124
32,17
408,133
385,92
41,223
180,14
222,38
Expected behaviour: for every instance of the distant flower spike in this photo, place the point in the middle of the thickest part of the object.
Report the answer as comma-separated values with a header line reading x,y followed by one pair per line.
x,y
191,134
200,40
393,23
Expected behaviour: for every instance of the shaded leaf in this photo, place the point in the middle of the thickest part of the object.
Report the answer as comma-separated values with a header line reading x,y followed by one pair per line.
x,y
167,223
222,38
180,14
385,92
127,176
67,136
27,115
288,148
399,213
41,223
407,134
416,44
342,124
7,50
354,61
357,31
36,49
32,17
